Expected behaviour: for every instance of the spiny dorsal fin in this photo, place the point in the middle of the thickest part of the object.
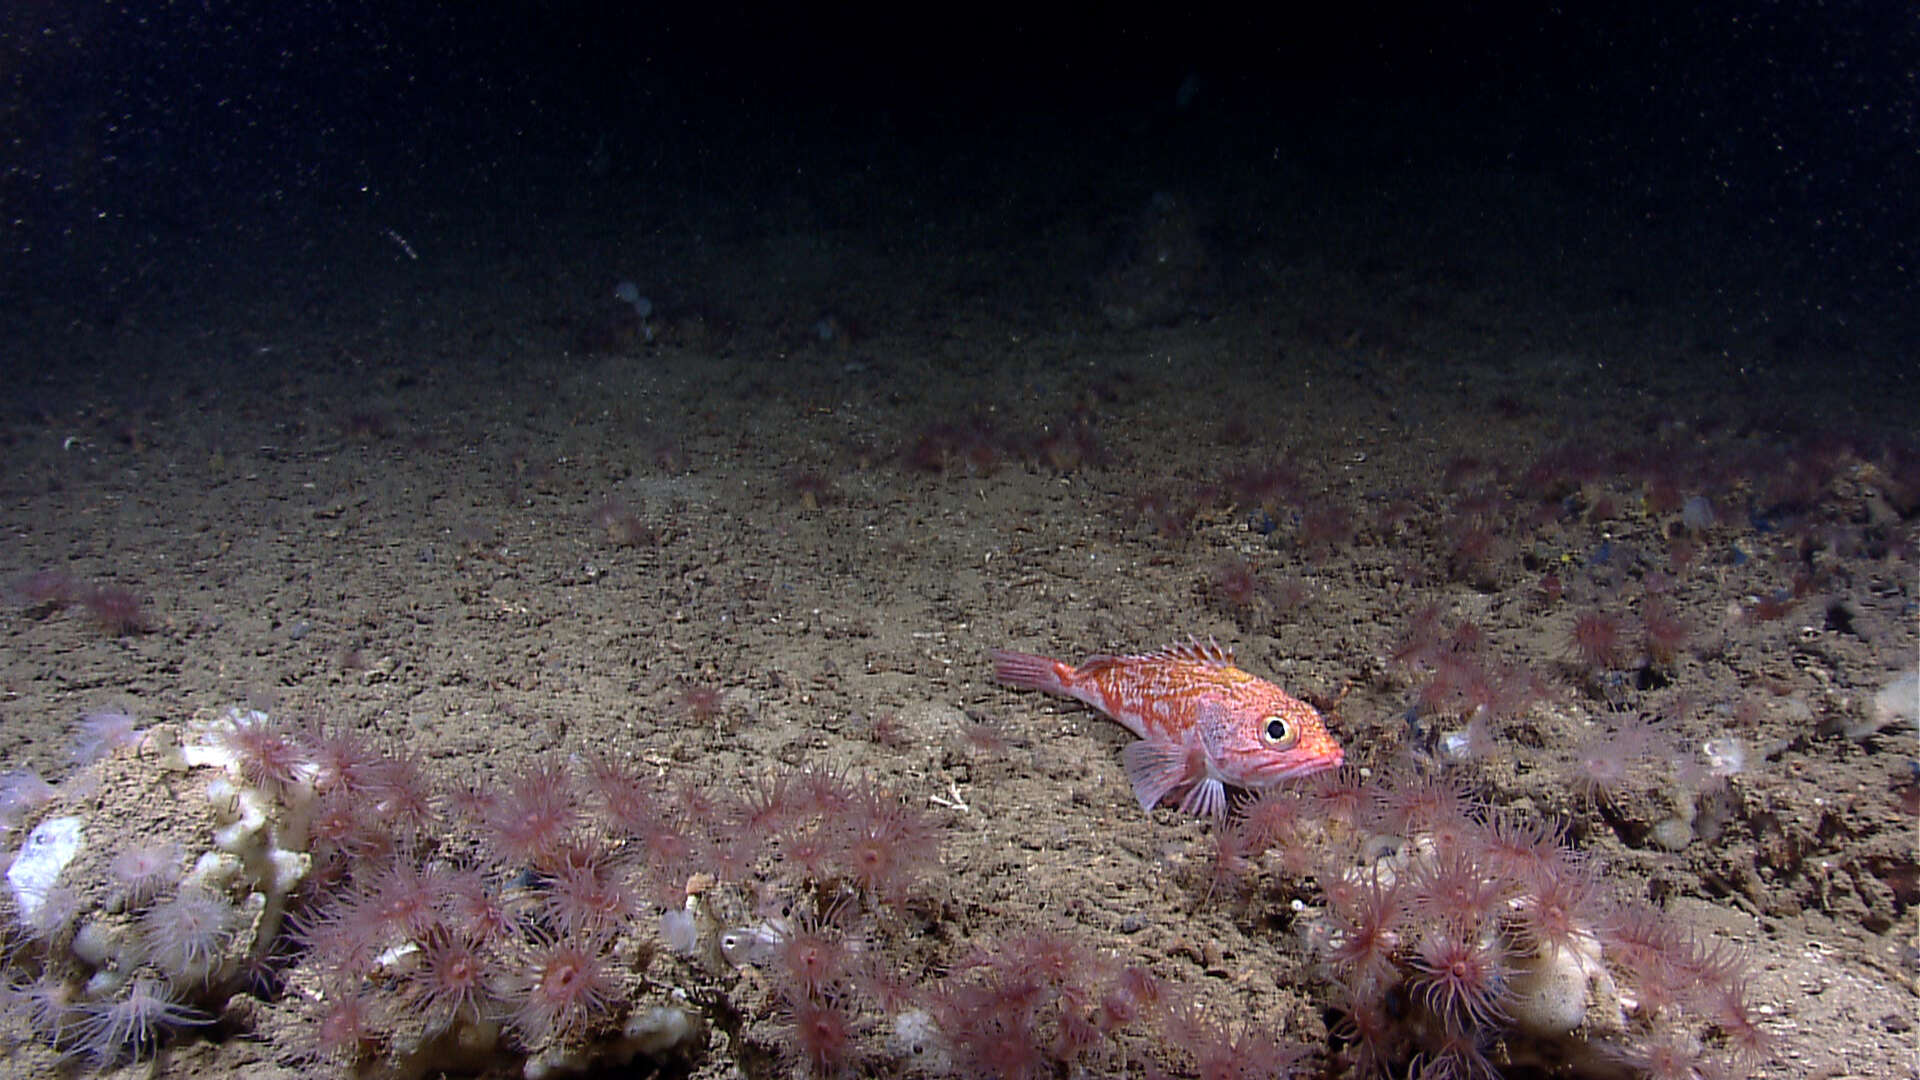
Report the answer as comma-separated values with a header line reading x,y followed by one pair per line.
x,y
1197,651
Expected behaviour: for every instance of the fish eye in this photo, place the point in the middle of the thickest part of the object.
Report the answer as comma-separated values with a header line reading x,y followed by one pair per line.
x,y
1279,732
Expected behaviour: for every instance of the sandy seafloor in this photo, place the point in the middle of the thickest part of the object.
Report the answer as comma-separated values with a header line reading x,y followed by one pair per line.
x,y
361,487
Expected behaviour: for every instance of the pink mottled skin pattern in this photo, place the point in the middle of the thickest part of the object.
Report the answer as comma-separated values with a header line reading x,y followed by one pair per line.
x,y
1203,724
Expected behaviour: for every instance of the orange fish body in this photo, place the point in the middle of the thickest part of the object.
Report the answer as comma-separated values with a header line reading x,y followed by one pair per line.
x,y
1203,723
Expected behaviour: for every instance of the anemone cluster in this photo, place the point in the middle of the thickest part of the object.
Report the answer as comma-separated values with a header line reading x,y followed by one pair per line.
x,y
382,926
320,894
1460,943
129,924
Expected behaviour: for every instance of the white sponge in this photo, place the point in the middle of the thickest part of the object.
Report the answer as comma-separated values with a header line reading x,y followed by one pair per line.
x,y
35,871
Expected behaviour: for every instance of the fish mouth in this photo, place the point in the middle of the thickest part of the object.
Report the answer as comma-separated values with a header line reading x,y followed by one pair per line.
x,y
1295,770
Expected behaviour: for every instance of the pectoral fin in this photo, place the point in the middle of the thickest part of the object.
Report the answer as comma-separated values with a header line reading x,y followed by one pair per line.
x,y
1156,767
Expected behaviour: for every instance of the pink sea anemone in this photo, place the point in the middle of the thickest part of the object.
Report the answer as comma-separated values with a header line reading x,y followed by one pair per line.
x,y
21,792
568,983
265,754
1598,641
451,980
132,1024
101,732
145,871
823,1035
1461,977
186,935
339,1029
531,822
117,611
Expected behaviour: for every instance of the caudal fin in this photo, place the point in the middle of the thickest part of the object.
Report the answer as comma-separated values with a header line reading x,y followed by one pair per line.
x,y
1027,671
